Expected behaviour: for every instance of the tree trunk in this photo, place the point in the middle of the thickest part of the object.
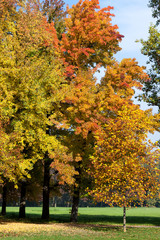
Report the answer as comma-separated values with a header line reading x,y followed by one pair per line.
x,y
75,203
76,195
22,208
124,218
46,189
4,200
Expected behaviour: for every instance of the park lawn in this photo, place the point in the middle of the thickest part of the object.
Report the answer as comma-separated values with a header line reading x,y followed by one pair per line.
x,y
94,223
25,231
92,215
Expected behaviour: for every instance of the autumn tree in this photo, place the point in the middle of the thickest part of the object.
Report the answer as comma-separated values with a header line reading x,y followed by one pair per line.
x,y
129,169
54,11
79,105
31,79
122,155
90,40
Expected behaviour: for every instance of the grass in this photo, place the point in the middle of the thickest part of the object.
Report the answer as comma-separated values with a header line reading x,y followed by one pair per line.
x,y
94,223
115,234
110,216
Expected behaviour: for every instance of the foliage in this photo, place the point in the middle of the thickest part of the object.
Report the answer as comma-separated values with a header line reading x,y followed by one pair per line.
x,y
31,77
11,160
151,48
88,107
81,48
54,11
128,169
56,110
90,37
155,5
122,154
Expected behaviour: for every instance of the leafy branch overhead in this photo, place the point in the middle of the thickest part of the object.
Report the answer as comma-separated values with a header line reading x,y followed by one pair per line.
x,y
151,48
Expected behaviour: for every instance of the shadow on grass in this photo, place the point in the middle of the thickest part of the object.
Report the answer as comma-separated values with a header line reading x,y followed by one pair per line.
x,y
83,219
118,220
98,219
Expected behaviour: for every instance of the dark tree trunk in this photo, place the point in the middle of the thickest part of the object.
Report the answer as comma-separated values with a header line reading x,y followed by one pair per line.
x,y
4,200
46,189
76,195
22,208
75,203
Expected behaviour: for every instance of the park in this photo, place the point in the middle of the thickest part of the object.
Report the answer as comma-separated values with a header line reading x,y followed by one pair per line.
x,y
71,133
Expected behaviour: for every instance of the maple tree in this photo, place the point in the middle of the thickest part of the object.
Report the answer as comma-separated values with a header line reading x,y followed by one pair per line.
x,y
80,120
90,40
126,161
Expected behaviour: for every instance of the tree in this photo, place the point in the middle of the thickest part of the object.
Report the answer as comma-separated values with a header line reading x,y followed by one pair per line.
x,y
126,161
31,78
129,169
80,117
154,4
90,40
4,200
151,48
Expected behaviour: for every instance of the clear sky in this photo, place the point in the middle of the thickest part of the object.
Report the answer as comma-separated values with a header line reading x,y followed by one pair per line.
x,y
133,18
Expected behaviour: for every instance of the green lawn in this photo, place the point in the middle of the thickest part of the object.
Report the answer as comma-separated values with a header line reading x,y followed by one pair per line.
x,y
111,234
135,216
94,223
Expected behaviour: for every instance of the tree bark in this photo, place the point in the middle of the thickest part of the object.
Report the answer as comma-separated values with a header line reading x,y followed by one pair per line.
x,y
76,195
77,186
22,208
75,203
124,218
46,189
4,200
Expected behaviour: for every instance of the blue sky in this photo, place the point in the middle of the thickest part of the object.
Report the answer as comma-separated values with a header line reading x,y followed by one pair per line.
x,y
133,18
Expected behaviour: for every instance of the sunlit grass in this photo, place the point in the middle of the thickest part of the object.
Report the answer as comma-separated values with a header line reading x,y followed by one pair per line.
x,y
94,223
80,233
